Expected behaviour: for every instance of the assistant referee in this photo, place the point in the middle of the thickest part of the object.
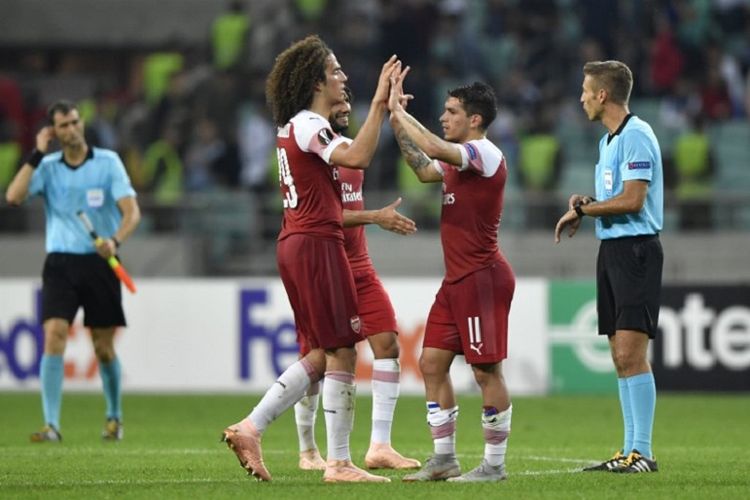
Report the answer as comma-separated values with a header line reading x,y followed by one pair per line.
x,y
76,273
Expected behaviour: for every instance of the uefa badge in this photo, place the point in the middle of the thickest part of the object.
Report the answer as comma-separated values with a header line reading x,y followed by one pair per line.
x,y
355,323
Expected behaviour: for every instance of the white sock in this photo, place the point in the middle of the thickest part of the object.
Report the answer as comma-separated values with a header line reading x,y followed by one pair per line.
x,y
496,431
385,390
442,424
287,390
338,407
304,415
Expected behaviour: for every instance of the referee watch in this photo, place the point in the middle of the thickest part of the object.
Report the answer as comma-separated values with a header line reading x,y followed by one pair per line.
x,y
579,210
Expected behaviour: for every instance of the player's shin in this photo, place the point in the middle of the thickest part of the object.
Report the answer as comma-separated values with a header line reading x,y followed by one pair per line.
x,y
385,392
338,406
287,390
442,424
304,416
496,426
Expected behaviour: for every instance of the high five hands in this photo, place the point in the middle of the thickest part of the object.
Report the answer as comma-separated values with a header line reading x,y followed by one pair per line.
x,y
397,100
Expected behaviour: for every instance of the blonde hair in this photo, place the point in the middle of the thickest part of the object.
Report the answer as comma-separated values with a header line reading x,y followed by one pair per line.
x,y
613,76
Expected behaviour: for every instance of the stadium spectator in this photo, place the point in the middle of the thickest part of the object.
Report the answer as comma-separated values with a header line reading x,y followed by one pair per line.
x,y
202,157
76,274
304,84
667,59
229,32
629,215
540,162
715,100
470,312
693,163
376,314
162,174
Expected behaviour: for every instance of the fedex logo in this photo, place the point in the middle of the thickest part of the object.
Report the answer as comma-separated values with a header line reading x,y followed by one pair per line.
x,y
279,336
267,339
20,337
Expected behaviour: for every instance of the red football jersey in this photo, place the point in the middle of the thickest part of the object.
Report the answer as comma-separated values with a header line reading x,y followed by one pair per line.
x,y
309,189
472,208
355,241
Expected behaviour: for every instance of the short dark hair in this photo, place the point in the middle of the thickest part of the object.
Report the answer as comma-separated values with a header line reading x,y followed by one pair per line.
x,y
477,99
63,106
349,94
613,76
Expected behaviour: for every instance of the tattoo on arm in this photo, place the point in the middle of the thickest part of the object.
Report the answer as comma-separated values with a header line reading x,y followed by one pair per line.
x,y
414,156
416,124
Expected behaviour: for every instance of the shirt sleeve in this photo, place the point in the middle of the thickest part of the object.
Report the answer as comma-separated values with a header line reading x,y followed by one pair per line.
x,y
638,157
480,157
121,186
36,186
440,166
315,136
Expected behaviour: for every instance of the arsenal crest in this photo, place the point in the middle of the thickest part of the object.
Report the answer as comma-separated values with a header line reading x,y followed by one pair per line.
x,y
356,323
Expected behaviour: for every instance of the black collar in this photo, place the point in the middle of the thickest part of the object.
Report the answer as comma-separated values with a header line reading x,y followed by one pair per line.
x,y
89,155
619,129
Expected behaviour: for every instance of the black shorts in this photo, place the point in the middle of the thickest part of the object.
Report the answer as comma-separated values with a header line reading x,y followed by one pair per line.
x,y
70,281
628,284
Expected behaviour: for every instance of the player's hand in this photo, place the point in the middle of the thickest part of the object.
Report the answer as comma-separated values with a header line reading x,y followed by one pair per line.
x,y
381,92
569,219
388,218
397,99
44,138
105,247
579,199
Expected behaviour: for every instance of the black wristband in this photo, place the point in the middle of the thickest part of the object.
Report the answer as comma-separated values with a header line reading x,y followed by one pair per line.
x,y
35,158
116,241
579,210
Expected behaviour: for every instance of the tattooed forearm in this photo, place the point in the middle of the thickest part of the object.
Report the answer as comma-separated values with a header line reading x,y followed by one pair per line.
x,y
414,156
413,121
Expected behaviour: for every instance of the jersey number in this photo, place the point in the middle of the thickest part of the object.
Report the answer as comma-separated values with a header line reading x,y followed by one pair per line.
x,y
285,179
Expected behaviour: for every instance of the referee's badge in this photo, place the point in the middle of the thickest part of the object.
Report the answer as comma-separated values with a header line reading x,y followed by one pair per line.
x,y
608,181
95,198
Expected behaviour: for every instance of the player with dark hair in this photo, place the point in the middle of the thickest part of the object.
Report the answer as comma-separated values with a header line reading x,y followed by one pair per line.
x,y
470,312
76,273
629,212
376,313
305,83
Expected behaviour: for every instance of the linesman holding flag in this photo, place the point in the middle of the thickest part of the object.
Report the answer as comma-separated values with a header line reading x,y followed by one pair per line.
x,y
76,271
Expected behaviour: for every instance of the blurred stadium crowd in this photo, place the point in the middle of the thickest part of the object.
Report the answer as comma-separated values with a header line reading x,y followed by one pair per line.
x,y
190,122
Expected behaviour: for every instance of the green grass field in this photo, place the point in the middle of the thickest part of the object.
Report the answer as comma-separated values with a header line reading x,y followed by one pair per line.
x,y
172,450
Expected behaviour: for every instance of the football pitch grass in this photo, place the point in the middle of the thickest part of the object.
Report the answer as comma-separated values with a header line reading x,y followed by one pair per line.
x,y
172,450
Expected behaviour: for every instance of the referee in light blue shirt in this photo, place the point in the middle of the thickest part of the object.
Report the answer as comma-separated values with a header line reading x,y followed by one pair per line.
x,y
76,273
629,211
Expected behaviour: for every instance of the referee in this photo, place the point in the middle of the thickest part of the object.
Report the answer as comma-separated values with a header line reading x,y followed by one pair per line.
x,y
629,211
78,177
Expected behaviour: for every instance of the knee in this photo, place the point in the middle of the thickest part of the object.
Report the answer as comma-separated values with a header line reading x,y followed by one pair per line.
x,y
625,362
485,376
317,360
430,368
105,351
55,340
385,346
